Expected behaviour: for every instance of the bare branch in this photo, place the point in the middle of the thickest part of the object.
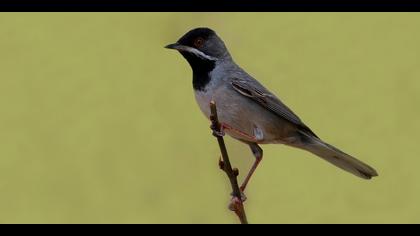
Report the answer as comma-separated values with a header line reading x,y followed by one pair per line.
x,y
236,203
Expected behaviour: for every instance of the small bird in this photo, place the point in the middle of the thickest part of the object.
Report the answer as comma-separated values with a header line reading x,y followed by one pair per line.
x,y
247,110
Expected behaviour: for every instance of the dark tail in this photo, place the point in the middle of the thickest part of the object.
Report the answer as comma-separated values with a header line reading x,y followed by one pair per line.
x,y
337,157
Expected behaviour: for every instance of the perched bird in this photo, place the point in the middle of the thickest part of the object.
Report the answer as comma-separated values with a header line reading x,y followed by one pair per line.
x,y
247,110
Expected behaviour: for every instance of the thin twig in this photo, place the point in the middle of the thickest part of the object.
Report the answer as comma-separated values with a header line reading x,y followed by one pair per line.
x,y
236,203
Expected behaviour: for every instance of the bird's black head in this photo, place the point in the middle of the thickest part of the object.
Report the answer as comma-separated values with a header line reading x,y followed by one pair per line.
x,y
202,48
201,43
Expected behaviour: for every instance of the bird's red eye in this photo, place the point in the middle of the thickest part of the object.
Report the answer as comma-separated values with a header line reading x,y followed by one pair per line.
x,y
198,42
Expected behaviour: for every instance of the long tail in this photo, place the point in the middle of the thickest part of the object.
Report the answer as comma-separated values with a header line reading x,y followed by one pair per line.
x,y
336,157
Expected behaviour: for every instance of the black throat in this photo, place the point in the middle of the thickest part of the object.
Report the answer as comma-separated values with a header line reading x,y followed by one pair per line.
x,y
201,70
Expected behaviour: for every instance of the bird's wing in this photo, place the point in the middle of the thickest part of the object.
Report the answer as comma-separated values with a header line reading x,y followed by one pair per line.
x,y
260,95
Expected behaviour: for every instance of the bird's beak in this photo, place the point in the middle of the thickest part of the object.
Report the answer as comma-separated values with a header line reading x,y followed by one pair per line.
x,y
175,46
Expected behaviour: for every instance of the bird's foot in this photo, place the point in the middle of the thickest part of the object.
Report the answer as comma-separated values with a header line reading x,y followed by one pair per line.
x,y
235,204
216,131
243,196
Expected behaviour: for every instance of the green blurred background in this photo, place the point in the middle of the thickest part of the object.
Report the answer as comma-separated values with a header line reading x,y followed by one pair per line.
x,y
99,124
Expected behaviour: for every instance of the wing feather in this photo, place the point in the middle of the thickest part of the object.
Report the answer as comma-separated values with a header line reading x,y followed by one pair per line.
x,y
263,97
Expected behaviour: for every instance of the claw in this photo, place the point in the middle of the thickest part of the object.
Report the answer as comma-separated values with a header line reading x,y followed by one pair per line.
x,y
235,204
216,132
213,126
243,196
220,133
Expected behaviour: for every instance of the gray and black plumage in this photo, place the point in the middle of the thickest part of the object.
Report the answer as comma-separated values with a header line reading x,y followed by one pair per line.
x,y
247,107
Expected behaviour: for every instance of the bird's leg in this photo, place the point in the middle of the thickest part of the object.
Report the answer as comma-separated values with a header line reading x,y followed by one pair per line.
x,y
221,133
258,153
256,150
224,126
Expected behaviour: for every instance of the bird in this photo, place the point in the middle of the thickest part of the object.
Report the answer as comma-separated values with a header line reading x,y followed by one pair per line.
x,y
248,111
